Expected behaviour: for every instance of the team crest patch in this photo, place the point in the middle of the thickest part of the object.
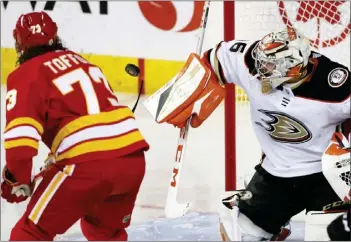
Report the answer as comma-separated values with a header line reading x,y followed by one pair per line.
x,y
284,128
126,218
337,77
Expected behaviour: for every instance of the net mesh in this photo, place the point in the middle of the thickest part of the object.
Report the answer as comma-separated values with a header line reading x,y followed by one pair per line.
x,y
346,177
344,167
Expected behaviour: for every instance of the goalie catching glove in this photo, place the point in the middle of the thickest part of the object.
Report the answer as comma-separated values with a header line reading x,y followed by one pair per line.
x,y
194,93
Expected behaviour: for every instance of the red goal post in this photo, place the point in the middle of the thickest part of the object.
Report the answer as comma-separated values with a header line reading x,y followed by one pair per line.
x,y
229,105
325,23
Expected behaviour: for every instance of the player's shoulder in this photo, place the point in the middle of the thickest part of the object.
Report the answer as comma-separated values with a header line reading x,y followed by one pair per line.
x,y
241,50
238,46
36,66
330,81
31,67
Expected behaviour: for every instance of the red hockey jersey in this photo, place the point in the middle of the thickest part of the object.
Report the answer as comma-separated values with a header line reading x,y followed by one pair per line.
x,y
66,102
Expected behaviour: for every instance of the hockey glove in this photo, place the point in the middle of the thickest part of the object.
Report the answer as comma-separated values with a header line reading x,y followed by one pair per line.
x,y
12,191
194,93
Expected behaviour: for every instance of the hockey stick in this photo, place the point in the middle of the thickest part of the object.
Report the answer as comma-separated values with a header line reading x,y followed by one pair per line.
x,y
133,70
173,209
48,163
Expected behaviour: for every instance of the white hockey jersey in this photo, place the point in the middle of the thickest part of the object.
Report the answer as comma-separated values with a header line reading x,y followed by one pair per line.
x,y
293,127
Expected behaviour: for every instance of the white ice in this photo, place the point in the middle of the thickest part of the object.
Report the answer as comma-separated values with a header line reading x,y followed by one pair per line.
x,y
201,182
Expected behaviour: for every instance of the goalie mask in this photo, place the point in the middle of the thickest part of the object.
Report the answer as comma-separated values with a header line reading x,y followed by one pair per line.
x,y
281,58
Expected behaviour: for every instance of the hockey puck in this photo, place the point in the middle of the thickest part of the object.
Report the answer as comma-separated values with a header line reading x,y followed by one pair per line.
x,y
132,70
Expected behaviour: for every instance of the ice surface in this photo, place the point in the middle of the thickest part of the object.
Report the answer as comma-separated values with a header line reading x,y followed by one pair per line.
x,y
191,227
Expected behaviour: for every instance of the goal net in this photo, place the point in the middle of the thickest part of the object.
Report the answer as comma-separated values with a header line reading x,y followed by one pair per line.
x,y
325,23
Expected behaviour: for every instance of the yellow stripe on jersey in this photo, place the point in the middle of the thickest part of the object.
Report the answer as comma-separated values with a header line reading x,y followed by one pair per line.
x,y
90,120
49,192
20,143
25,121
102,145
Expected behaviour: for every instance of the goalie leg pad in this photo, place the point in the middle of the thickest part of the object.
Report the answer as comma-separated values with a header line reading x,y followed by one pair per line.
x,y
250,231
236,226
316,225
336,165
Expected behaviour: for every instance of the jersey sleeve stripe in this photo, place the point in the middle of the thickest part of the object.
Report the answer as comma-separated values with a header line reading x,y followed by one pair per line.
x,y
22,131
9,144
108,144
84,122
25,121
216,65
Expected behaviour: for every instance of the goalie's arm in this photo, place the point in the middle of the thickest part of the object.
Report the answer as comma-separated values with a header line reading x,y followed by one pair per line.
x,y
210,59
230,61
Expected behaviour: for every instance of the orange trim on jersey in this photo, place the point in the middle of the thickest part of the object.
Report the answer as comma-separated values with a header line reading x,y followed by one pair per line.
x,y
90,120
13,143
47,195
218,66
318,100
314,62
104,144
25,121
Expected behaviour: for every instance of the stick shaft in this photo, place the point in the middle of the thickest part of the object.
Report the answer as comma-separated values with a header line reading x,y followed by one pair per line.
x,y
183,136
203,27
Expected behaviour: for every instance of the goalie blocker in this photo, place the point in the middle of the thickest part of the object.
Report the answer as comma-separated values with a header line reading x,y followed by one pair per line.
x,y
194,93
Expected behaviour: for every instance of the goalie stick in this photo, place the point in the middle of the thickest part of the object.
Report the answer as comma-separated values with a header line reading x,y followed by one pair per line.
x,y
173,209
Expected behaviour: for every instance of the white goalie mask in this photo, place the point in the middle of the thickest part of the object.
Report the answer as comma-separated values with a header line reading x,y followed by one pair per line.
x,y
281,58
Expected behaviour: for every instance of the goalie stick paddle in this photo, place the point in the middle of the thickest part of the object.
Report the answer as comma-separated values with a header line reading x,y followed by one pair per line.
x,y
174,209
